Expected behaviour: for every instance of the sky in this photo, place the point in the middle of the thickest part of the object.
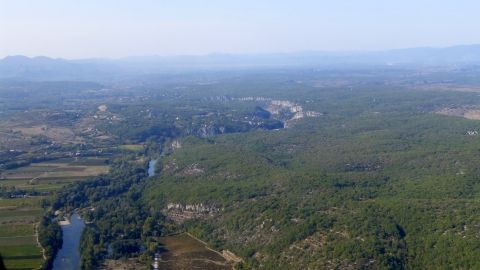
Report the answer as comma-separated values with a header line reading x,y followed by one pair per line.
x,y
75,29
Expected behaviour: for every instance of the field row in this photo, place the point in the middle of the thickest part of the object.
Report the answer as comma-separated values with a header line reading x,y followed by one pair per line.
x,y
18,240
20,216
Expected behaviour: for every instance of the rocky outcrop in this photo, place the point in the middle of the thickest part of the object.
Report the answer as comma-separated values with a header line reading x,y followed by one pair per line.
x,y
296,112
285,110
176,145
191,170
179,213
209,130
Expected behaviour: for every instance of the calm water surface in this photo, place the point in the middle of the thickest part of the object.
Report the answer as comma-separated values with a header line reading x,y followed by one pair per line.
x,y
68,257
151,167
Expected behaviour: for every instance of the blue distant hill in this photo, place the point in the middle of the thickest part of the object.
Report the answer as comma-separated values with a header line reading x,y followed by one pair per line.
x,y
44,68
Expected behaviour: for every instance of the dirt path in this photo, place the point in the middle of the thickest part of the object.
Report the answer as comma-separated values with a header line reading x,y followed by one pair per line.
x,y
38,243
226,254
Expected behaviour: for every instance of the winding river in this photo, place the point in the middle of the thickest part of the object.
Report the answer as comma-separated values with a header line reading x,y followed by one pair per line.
x,y
68,257
151,167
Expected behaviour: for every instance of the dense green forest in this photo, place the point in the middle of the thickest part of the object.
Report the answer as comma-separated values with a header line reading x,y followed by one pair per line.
x,y
373,175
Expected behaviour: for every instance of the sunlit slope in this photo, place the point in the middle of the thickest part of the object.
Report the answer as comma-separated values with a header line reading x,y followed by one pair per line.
x,y
387,188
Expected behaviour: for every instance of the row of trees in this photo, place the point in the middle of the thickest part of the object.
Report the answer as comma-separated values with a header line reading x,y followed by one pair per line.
x,y
119,224
50,237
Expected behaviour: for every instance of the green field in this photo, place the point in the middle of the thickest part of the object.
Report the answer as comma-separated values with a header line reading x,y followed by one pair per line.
x,y
52,176
19,216
18,244
132,147
17,230
22,256
20,202
20,212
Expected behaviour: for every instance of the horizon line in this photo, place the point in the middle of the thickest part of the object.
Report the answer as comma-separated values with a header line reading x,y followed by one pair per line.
x,y
331,52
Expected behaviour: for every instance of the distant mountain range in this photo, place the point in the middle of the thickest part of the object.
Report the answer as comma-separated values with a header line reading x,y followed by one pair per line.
x,y
44,68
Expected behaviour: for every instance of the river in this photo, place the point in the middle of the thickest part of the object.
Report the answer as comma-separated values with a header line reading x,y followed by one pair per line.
x,y
68,257
151,167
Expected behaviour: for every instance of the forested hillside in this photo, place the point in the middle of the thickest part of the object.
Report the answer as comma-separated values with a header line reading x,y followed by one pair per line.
x,y
389,186
278,169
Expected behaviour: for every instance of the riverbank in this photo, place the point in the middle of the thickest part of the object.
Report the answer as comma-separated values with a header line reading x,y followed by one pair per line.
x,y
68,257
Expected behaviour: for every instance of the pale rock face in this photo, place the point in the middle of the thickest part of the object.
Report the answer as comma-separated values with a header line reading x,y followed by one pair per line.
x,y
312,114
192,169
102,108
253,99
282,103
176,144
472,133
275,107
296,109
298,115
179,212
206,131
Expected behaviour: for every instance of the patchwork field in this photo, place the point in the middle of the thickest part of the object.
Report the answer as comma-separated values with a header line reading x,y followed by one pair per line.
x,y
176,252
185,252
50,176
472,113
132,147
18,240
20,216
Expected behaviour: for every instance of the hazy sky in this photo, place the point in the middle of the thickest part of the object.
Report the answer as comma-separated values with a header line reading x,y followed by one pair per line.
x,y
116,28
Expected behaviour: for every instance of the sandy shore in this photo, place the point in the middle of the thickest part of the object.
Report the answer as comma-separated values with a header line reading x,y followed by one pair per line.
x,y
64,222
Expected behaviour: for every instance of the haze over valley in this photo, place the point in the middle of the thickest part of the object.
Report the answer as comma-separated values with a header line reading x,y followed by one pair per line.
x,y
214,135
